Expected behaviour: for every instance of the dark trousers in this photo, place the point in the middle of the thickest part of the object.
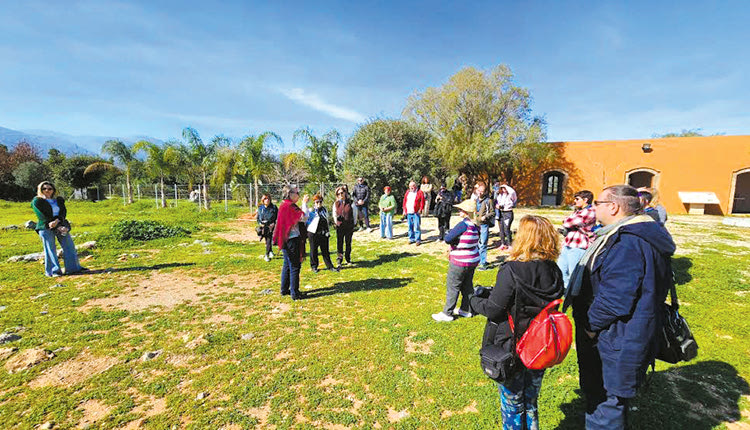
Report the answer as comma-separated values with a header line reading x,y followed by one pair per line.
x,y
443,225
361,211
319,242
269,239
344,238
506,219
291,267
603,410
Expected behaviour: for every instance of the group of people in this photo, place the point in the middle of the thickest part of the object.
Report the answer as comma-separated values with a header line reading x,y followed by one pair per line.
x,y
613,265
614,268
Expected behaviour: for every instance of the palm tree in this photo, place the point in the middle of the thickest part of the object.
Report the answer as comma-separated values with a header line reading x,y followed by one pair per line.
x,y
255,160
160,161
321,154
290,169
122,154
202,156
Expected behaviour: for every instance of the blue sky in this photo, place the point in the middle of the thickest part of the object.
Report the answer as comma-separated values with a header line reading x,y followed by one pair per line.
x,y
596,70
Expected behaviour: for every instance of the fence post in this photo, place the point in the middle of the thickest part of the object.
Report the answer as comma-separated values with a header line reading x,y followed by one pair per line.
x,y
124,200
110,190
156,196
226,204
139,191
175,195
97,193
199,199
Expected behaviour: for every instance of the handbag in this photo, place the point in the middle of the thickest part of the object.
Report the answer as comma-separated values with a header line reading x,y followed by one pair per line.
x,y
675,341
500,361
547,340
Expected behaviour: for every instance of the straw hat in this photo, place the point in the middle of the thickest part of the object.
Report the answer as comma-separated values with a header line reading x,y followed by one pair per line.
x,y
468,205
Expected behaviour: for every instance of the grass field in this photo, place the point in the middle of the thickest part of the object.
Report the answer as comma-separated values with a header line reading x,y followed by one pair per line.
x,y
362,352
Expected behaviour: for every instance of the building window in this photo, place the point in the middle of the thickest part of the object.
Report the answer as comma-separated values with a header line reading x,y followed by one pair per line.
x,y
552,188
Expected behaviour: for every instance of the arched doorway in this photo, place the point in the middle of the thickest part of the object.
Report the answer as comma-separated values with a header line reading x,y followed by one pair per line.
x,y
552,188
741,196
642,178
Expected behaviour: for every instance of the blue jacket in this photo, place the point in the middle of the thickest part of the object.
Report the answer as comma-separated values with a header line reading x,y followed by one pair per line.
x,y
628,282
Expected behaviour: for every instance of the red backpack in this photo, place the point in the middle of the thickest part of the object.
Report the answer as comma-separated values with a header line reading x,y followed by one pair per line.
x,y
547,340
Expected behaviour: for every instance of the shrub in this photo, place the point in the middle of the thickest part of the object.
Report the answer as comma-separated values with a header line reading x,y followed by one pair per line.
x,y
145,230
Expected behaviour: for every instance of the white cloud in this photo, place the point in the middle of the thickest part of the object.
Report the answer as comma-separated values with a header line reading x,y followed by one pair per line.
x,y
314,101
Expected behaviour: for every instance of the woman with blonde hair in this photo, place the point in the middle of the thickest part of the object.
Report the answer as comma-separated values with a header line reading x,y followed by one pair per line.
x,y
426,189
528,281
52,222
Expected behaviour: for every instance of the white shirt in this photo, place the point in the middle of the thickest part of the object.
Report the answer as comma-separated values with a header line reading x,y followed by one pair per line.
x,y
411,200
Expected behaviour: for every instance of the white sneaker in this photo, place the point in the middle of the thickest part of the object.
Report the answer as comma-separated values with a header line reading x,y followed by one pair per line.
x,y
463,314
270,254
442,317
266,258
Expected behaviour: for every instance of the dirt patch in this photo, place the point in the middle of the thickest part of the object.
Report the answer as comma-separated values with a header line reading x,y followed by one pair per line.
x,y
171,289
179,360
242,230
328,381
470,409
416,347
93,411
27,359
7,352
261,414
219,319
75,371
396,416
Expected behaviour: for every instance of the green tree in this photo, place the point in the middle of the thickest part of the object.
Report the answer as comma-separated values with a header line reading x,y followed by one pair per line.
x,y
321,154
290,169
391,152
202,157
693,132
123,155
72,172
255,159
482,123
160,161
30,173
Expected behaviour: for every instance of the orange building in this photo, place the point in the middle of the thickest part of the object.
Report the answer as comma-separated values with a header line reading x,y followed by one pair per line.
x,y
685,170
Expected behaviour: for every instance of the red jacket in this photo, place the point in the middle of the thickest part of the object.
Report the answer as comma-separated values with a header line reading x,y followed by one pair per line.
x,y
418,203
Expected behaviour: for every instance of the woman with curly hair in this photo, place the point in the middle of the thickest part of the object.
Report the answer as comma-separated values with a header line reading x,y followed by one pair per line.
x,y
52,223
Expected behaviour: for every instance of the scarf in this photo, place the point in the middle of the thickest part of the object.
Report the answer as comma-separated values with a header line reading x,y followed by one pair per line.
x,y
289,214
593,251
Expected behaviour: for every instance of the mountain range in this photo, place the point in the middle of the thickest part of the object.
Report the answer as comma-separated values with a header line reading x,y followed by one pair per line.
x,y
44,140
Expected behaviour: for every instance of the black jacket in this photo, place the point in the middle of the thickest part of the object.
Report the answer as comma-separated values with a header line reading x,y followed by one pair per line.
x,y
361,192
444,207
535,284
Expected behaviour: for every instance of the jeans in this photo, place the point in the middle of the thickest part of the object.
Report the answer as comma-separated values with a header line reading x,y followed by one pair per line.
x,y
415,231
484,234
344,244
568,260
459,279
361,210
611,414
70,256
319,242
518,399
291,267
386,225
506,219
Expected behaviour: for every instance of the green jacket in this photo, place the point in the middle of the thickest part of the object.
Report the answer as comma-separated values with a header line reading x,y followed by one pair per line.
x,y
387,202
43,211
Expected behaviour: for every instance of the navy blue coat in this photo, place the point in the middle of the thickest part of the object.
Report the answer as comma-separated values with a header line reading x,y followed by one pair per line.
x,y
620,299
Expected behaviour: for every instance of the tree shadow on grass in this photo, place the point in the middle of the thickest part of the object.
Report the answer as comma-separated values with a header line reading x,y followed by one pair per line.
x,y
132,269
699,396
382,259
681,268
362,285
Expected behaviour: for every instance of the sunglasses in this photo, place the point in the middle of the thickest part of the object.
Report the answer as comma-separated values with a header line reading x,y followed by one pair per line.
x,y
600,202
47,189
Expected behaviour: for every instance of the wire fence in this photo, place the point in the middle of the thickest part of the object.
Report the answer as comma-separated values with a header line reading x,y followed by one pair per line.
x,y
175,194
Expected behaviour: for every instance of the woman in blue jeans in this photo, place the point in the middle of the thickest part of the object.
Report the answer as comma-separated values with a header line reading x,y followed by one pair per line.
x,y
290,235
527,282
52,223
